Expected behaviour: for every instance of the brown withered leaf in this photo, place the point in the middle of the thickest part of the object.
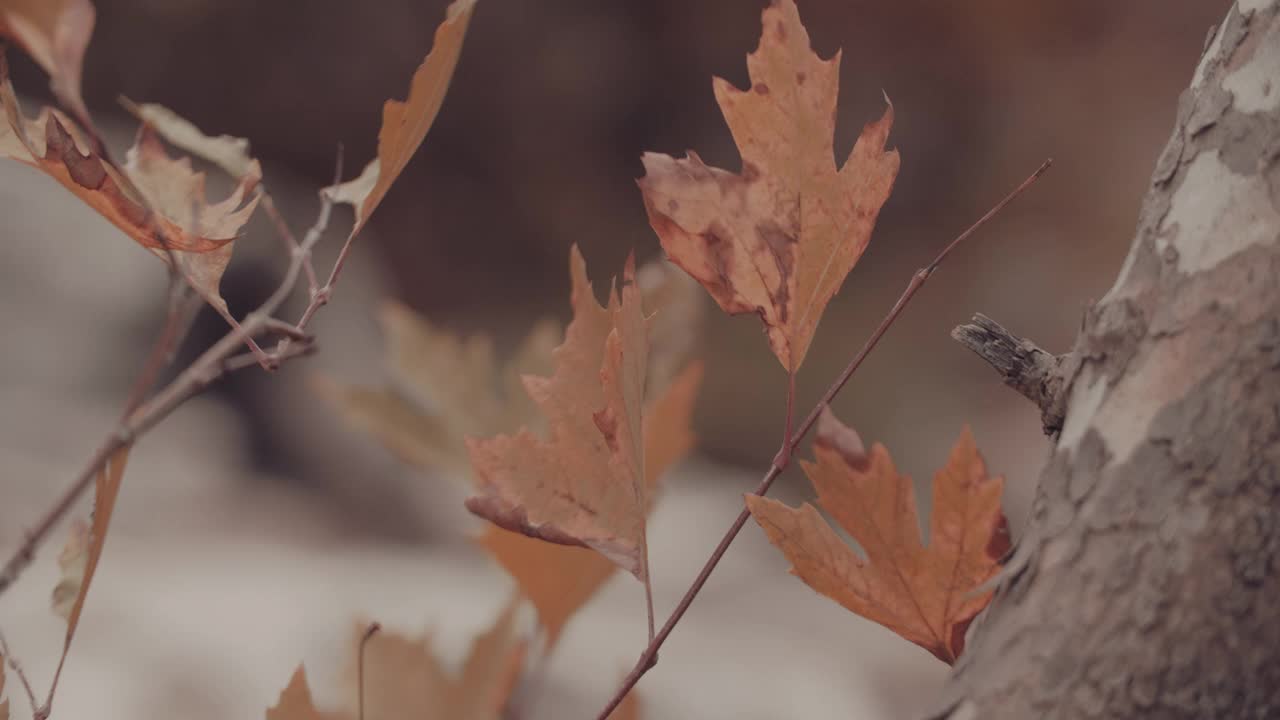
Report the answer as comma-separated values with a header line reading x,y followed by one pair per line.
x,y
106,490
185,223
295,702
925,594
176,191
405,123
444,388
557,579
779,238
229,153
55,33
583,484
404,680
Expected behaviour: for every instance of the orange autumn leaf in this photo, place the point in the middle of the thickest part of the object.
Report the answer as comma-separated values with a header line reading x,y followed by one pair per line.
x,y
295,701
405,680
779,238
405,123
926,594
183,220
584,484
55,33
558,580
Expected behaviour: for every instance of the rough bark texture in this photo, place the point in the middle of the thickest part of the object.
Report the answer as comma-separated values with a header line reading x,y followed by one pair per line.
x,y
1148,580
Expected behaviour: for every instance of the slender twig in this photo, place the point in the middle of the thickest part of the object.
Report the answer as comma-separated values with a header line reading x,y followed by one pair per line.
x,y
649,657
369,632
216,361
183,307
13,664
320,297
291,244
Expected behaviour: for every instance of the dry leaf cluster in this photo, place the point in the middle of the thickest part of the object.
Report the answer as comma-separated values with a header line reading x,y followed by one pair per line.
x,y
563,444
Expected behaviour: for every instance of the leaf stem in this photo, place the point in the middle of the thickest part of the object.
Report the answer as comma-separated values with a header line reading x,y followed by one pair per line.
x,y
649,657
373,629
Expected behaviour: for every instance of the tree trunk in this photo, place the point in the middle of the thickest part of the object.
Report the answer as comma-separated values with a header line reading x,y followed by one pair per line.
x,y
1148,583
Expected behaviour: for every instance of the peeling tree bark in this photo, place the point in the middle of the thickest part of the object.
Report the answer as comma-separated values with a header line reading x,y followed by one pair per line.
x,y
1148,583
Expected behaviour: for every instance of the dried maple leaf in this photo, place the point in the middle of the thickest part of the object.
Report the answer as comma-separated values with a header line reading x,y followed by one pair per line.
x,y
585,483
558,580
404,680
176,191
405,124
927,595
443,389
295,701
779,238
178,217
55,33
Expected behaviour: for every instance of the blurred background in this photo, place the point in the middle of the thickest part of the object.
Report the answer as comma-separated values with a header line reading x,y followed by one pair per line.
x,y
254,525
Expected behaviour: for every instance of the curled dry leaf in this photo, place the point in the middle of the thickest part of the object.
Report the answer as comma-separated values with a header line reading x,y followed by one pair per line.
x,y
405,123
183,220
779,238
83,553
55,33
72,562
558,580
928,595
405,681
176,191
229,153
584,483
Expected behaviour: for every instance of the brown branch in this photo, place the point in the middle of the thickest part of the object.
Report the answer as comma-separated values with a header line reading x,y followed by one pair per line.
x,y
1036,374
217,361
649,657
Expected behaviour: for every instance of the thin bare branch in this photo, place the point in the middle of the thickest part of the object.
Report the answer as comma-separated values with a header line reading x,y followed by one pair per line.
x,y
649,657
217,361
13,664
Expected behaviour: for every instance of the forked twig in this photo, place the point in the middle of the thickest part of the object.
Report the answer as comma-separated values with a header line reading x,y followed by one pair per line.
x,y
649,657
218,360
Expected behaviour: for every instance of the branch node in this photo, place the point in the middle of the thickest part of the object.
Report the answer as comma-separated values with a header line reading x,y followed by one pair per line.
x,y
1036,374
